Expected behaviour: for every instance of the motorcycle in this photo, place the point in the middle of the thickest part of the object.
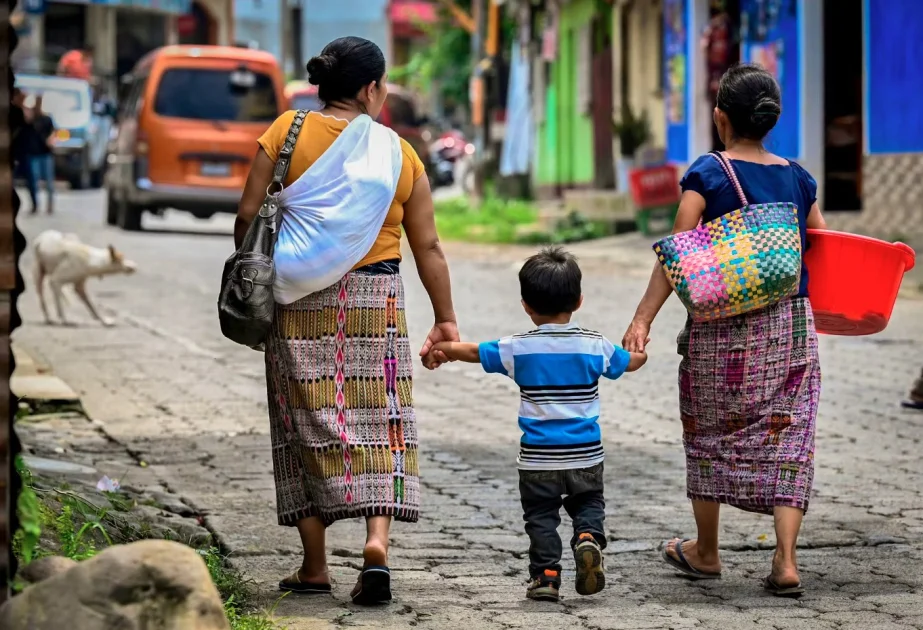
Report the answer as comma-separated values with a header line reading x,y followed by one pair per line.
x,y
447,152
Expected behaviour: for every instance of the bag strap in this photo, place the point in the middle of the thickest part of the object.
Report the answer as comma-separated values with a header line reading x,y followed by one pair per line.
x,y
729,171
284,161
270,203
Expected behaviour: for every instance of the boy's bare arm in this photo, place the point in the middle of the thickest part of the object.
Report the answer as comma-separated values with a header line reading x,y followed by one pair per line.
x,y
637,360
459,351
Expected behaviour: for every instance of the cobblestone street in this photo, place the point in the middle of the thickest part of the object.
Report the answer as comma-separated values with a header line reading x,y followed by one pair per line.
x,y
165,384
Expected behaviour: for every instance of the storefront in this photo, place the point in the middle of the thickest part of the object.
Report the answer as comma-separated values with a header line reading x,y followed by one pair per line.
x,y
702,38
840,115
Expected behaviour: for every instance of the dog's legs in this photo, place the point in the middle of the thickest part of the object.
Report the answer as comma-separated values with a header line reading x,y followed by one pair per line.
x,y
38,275
81,289
57,289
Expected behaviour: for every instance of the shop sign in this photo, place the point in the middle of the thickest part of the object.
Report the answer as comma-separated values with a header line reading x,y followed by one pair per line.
x,y
676,70
185,25
177,7
34,7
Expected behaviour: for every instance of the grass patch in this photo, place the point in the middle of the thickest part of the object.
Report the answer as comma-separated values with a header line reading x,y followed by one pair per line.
x,y
59,522
506,221
494,220
237,595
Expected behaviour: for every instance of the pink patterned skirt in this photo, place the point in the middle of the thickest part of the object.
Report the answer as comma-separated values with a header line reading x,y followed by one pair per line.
x,y
339,374
748,393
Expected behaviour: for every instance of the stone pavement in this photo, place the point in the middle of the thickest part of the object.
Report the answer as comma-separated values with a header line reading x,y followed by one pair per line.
x,y
167,386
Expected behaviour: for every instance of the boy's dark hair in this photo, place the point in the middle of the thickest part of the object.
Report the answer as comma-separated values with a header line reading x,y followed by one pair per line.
x,y
550,282
752,100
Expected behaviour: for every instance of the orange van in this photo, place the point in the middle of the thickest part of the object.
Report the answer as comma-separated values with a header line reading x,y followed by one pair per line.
x,y
187,130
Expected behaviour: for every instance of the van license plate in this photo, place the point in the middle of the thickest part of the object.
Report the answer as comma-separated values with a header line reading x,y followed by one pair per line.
x,y
212,169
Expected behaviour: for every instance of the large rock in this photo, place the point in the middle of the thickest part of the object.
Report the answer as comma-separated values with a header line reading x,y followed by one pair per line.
x,y
147,585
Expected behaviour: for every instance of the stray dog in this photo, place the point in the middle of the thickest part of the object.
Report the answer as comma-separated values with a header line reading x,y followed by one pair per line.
x,y
63,259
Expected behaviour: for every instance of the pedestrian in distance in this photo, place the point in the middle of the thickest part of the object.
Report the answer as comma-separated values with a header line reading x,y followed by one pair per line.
x,y
338,358
915,400
749,384
22,167
39,149
557,367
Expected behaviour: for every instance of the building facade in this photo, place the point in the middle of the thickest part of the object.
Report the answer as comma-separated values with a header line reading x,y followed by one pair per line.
x,y
849,71
119,31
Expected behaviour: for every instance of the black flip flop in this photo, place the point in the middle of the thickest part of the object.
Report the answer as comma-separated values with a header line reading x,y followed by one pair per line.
x,y
782,591
374,586
293,584
682,565
912,404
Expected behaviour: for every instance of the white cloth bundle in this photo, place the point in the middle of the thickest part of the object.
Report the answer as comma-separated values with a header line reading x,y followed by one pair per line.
x,y
333,213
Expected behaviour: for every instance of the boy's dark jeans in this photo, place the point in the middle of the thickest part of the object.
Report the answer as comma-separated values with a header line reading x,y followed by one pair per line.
x,y
543,493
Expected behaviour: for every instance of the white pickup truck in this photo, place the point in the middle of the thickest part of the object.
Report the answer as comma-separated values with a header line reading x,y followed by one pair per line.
x,y
82,127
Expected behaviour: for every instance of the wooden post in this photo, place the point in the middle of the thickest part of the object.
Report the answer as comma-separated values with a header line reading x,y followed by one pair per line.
x,y
12,244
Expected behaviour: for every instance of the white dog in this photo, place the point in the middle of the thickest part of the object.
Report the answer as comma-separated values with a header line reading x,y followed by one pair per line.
x,y
63,259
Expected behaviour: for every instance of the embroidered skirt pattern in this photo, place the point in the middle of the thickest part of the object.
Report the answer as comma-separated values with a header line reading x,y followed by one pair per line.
x,y
749,388
339,377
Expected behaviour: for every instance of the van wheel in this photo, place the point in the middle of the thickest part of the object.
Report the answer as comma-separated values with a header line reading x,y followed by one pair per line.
x,y
112,209
97,177
82,178
128,216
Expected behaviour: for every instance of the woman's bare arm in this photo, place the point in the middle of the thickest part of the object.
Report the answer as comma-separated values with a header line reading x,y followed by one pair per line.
x,y
816,218
254,193
420,226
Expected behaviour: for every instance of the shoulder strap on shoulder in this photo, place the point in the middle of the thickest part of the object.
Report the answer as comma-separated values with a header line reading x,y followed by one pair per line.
x,y
284,160
729,171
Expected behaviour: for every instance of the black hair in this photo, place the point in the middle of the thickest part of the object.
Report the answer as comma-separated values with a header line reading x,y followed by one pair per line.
x,y
344,67
752,100
550,282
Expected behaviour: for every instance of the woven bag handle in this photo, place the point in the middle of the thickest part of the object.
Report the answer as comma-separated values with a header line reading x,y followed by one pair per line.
x,y
729,171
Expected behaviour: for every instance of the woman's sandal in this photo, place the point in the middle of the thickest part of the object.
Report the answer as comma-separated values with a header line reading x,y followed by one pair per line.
x,y
682,565
373,586
778,590
294,584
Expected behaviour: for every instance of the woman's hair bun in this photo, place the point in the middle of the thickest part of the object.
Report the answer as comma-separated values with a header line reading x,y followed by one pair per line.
x,y
768,106
320,67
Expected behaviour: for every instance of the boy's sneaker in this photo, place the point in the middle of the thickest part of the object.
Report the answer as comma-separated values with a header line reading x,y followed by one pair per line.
x,y
589,557
544,587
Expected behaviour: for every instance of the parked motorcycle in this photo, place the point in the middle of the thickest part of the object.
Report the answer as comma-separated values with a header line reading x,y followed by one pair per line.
x,y
446,153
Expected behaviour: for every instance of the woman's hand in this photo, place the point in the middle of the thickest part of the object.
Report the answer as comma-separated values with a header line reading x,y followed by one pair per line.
x,y
637,336
441,331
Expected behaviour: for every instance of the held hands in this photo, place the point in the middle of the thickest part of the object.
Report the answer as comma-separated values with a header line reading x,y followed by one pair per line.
x,y
637,336
440,332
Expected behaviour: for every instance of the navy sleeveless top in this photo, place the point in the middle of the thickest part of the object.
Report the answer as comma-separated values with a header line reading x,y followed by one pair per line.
x,y
762,183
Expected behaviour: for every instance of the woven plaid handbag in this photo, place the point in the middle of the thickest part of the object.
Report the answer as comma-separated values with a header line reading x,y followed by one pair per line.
x,y
745,260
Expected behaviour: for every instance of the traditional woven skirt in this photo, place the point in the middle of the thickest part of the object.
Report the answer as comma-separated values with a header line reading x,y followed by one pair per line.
x,y
748,393
339,375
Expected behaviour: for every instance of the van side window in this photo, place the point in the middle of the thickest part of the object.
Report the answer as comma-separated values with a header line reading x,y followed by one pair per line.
x,y
131,104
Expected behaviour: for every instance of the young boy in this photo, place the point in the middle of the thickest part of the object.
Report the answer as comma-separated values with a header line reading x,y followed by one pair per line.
x,y
557,367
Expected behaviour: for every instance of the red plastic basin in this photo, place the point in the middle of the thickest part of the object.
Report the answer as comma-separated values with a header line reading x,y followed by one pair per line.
x,y
853,281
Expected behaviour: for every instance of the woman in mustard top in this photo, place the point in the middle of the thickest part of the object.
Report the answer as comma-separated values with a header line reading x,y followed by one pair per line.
x,y
338,362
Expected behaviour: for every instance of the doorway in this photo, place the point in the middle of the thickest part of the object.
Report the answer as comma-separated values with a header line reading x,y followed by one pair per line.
x,y
65,30
602,102
722,41
205,30
843,78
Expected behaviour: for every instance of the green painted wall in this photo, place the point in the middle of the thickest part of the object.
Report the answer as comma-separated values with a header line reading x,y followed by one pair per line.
x,y
565,139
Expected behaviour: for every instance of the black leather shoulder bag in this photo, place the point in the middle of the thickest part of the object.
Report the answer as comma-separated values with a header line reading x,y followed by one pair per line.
x,y
246,304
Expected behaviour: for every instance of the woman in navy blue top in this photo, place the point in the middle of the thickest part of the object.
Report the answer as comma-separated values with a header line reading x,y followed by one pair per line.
x,y
750,384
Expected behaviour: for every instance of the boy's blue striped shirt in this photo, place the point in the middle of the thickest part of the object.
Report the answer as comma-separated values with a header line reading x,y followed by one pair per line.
x,y
557,368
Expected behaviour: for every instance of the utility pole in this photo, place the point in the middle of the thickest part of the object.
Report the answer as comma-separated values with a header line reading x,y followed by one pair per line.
x,y
298,38
479,96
